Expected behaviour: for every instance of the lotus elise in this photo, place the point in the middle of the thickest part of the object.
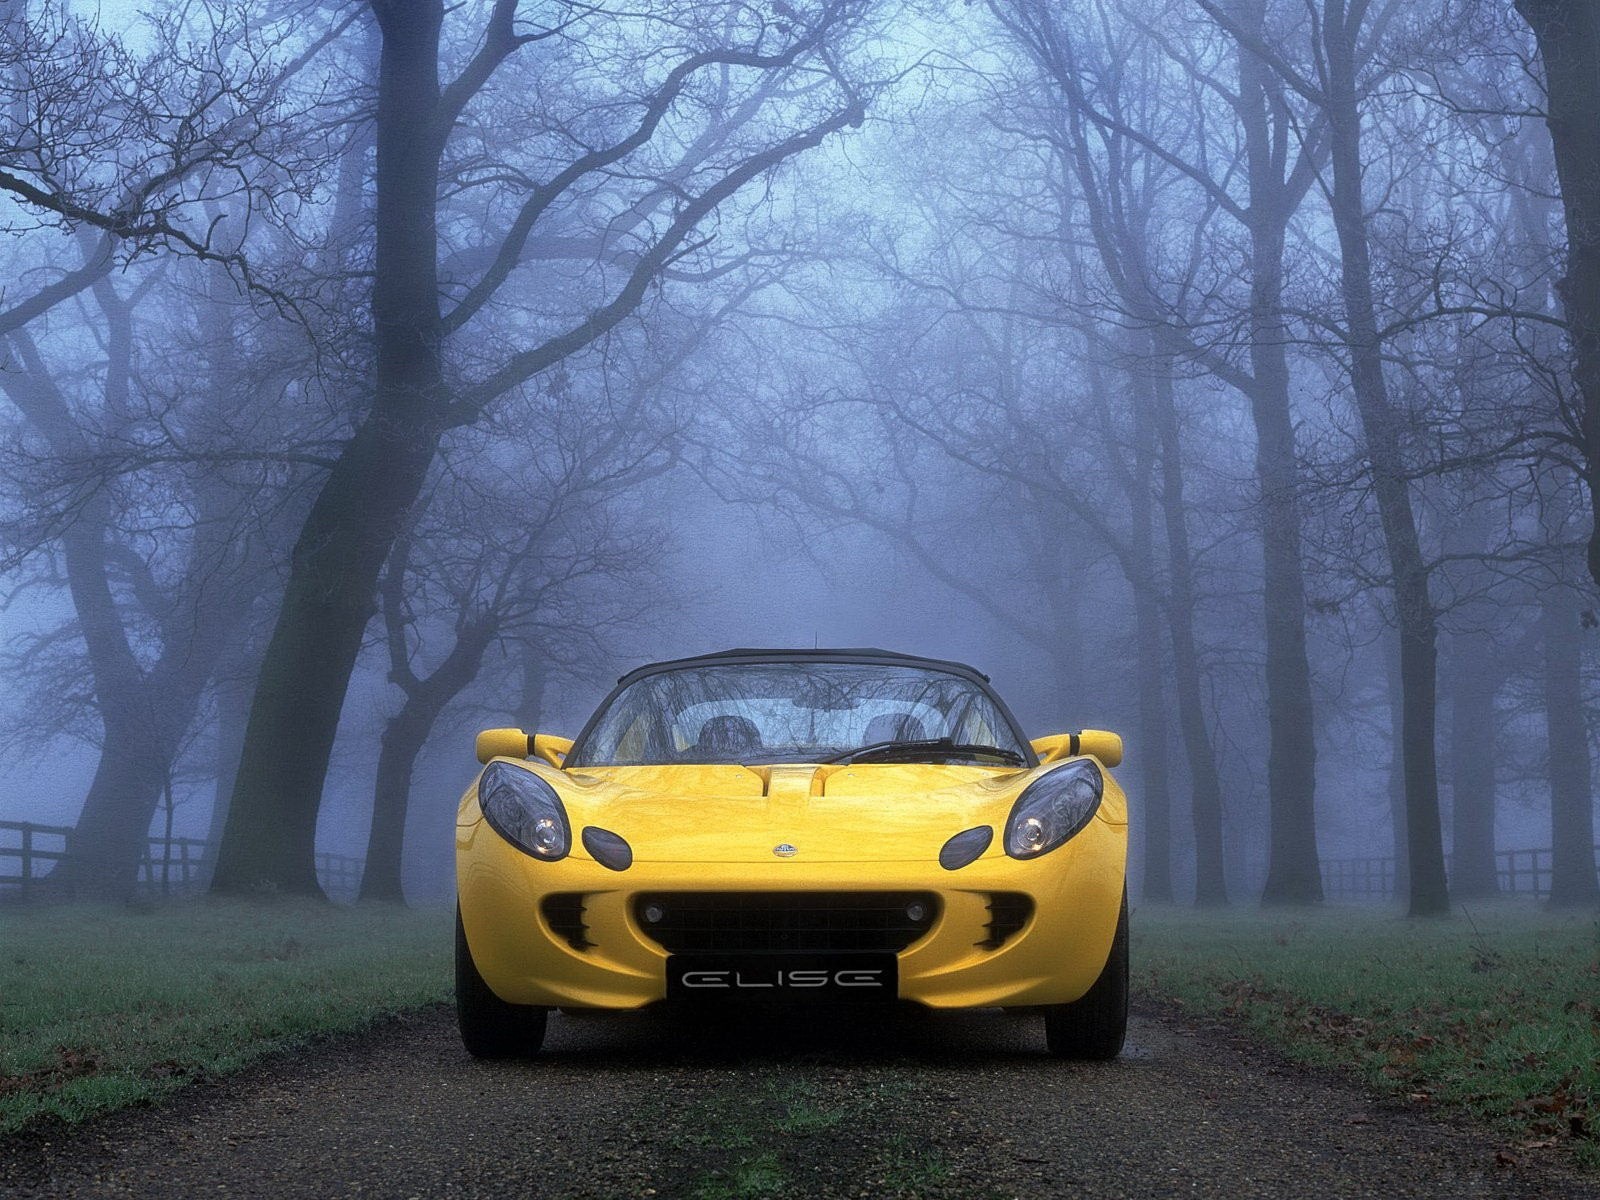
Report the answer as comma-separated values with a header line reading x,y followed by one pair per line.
x,y
795,827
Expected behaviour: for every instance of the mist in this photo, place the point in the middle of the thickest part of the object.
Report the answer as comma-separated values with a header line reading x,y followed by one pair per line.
x,y
373,374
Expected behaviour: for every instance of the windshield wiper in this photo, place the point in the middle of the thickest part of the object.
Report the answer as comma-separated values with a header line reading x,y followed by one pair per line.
x,y
932,747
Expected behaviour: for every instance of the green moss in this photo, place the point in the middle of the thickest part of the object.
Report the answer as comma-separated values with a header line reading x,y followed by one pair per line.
x,y
752,1177
103,1007
1495,1010
909,1168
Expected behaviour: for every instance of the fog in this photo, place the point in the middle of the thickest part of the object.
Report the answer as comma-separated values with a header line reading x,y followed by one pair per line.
x,y
374,373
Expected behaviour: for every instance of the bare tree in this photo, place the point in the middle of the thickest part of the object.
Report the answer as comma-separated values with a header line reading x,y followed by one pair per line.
x,y
536,561
1568,33
154,619
1279,162
178,146
1339,77
417,397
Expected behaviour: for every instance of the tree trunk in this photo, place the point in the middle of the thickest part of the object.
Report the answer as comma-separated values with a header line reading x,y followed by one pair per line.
x,y
403,739
142,739
1472,766
1568,34
144,714
270,839
109,837
1211,887
1294,869
1573,881
383,876
1383,434
169,810
112,833
1155,772
1397,766
233,710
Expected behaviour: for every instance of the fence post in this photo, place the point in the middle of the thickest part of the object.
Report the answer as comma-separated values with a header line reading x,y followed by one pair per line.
x,y
27,858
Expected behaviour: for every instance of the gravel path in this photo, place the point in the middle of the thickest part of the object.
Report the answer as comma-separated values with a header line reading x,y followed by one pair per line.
x,y
959,1105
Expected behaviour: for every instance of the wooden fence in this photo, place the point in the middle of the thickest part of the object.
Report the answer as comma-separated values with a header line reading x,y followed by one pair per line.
x,y
175,866
1521,872
1357,878
170,867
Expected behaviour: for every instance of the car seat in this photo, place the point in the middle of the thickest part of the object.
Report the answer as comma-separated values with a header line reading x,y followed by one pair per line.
x,y
727,736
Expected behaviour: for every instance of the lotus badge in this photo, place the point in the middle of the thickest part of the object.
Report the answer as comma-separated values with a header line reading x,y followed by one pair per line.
x,y
784,850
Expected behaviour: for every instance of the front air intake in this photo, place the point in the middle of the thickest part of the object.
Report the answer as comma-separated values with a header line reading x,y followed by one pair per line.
x,y
563,912
804,922
1008,913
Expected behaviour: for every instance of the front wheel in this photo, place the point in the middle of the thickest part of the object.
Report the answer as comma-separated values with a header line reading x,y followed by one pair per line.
x,y
1094,1027
491,1028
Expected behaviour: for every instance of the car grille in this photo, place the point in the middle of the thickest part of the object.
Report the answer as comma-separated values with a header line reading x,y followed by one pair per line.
x,y
712,922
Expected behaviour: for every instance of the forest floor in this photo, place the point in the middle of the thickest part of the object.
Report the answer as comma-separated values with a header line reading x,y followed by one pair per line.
x,y
1344,1052
105,1007
1493,1011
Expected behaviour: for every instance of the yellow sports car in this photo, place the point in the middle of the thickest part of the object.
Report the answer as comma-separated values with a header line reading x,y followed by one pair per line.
x,y
807,827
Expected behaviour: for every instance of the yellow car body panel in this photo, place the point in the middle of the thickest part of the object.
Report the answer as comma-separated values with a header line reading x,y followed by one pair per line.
x,y
862,827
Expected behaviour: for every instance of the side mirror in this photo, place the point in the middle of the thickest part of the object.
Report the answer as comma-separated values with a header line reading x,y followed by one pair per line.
x,y
503,743
1105,746
513,743
551,747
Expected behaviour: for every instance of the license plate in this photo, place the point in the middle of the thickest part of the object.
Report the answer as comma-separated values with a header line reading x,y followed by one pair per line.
x,y
783,976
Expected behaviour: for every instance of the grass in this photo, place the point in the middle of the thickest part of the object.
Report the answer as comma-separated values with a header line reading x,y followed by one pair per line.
x,y
909,1168
773,1137
105,1007
1494,1011
743,1133
761,1175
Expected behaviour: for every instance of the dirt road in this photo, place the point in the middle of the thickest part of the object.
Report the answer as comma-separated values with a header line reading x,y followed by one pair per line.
x,y
938,1106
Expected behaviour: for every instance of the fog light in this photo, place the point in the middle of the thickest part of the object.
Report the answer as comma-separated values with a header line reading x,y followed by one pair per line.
x,y
916,912
654,914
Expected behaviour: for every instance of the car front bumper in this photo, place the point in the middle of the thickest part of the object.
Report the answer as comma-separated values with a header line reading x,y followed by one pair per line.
x,y
1055,957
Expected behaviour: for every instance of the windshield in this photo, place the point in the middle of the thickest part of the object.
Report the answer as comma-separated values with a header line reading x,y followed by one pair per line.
x,y
794,712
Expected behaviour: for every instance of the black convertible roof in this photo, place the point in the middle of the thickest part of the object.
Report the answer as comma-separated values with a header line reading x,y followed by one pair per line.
x,y
746,654
792,654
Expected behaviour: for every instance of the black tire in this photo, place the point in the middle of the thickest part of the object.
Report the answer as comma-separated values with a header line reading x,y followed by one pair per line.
x,y
491,1028
1094,1027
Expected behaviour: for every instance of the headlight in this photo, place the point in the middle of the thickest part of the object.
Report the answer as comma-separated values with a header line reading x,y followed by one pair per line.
x,y
525,810
1052,808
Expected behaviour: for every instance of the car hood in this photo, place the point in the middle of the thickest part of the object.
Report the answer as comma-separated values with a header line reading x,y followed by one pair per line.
x,y
877,812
